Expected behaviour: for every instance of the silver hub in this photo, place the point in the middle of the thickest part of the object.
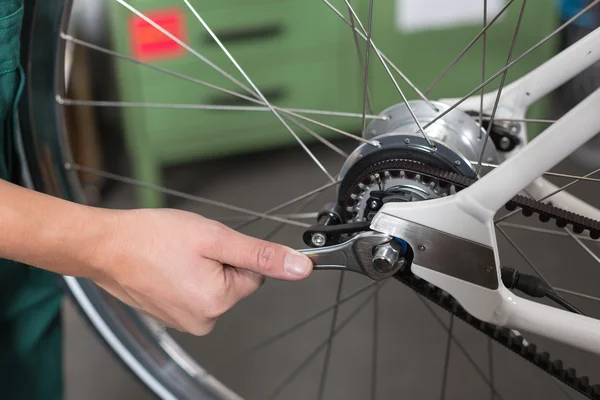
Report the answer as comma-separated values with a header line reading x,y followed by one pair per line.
x,y
458,143
457,130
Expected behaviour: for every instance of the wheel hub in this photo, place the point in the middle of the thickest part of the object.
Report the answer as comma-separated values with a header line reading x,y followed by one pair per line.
x,y
456,130
370,176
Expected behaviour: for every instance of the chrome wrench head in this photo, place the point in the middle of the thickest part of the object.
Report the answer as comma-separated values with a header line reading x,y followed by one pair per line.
x,y
358,255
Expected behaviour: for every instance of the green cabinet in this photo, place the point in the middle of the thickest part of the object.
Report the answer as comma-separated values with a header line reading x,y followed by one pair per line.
x,y
423,55
299,53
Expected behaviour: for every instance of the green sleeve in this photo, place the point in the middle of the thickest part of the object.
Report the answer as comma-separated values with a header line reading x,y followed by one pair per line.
x,y
30,299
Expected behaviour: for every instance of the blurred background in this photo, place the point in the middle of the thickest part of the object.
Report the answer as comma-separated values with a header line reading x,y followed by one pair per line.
x,y
301,55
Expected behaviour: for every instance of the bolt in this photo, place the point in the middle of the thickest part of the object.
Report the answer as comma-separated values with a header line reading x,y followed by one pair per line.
x,y
374,204
457,162
505,143
407,141
422,248
489,269
385,258
514,128
318,239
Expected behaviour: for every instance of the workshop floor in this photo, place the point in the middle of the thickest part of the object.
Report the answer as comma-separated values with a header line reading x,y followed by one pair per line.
x,y
411,343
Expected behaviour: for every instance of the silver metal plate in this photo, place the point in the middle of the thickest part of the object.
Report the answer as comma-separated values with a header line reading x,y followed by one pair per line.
x,y
447,254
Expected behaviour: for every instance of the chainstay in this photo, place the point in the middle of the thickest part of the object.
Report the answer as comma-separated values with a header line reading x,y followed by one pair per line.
x,y
529,207
504,336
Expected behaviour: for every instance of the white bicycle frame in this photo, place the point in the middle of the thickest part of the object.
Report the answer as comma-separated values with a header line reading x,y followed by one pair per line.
x,y
470,213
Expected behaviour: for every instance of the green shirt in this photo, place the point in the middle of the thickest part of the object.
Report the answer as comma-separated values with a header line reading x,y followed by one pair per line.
x,y
30,337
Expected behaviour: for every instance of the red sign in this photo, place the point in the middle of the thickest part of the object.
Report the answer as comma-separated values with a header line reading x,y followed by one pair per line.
x,y
148,43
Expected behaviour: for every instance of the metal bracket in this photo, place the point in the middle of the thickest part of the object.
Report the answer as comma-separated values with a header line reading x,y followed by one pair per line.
x,y
444,253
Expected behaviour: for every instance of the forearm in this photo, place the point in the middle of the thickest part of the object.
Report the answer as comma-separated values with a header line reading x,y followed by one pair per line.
x,y
50,233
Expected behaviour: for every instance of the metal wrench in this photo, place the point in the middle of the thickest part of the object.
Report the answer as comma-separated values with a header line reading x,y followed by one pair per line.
x,y
369,253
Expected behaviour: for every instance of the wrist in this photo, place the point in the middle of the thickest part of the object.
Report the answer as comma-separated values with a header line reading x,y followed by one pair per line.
x,y
98,243
75,240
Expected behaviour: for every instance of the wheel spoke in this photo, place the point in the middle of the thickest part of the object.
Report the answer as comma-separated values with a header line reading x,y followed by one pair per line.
x,y
112,53
459,345
483,56
184,45
307,202
557,174
321,346
408,81
516,60
366,68
334,316
317,136
333,113
123,104
297,215
389,73
273,232
288,203
577,294
578,178
387,60
360,59
582,245
546,197
447,357
182,195
502,82
483,33
560,386
568,185
523,256
258,92
524,120
341,132
125,57
295,327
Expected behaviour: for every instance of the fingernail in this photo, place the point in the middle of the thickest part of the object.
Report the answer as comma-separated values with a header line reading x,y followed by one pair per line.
x,y
296,264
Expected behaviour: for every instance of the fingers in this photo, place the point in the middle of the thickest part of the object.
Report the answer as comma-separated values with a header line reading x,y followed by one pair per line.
x,y
243,283
234,285
153,312
266,258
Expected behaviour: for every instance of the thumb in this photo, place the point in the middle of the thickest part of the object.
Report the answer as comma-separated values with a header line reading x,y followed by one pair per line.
x,y
266,258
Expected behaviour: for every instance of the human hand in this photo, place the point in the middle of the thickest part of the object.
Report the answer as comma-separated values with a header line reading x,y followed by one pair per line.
x,y
186,270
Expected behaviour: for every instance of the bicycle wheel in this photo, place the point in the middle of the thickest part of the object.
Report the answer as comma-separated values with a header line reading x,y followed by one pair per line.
x,y
161,359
